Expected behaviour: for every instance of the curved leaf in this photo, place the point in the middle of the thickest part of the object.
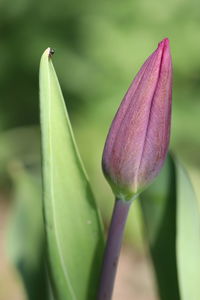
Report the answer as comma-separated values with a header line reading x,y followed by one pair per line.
x,y
26,232
171,213
159,211
188,237
74,232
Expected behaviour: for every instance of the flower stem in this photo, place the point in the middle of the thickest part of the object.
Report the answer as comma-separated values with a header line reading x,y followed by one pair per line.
x,y
112,249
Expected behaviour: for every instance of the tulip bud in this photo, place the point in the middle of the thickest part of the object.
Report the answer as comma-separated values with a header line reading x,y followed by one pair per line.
x,y
138,138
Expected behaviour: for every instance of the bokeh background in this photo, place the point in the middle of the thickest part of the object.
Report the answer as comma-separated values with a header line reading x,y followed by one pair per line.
x,y
99,47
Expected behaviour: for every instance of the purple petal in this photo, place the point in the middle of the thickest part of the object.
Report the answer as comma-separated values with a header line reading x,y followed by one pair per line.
x,y
138,139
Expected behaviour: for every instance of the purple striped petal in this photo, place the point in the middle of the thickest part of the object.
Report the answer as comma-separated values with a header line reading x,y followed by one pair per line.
x,y
138,139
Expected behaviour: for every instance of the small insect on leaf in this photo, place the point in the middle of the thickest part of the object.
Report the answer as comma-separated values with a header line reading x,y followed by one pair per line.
x,y
51,52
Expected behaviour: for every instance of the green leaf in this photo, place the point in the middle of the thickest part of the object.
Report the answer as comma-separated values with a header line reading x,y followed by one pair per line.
x,y
171,213
74,232
25,240
159,211
188,237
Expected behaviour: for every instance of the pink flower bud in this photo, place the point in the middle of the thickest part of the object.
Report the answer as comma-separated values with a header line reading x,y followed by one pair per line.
x,y
138,139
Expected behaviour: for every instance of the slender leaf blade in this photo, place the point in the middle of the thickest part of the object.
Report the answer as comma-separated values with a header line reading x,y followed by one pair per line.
x,y
25,239
74,232
188,237
159,210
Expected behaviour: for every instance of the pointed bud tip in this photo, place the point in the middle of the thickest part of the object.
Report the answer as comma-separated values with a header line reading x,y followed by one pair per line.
x,y
164,43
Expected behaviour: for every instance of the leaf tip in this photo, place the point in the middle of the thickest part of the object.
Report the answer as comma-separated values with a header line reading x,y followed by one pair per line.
x,y
49,52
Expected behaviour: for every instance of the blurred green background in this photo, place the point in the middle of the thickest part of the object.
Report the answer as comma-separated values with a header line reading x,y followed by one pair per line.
x,y
99,47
